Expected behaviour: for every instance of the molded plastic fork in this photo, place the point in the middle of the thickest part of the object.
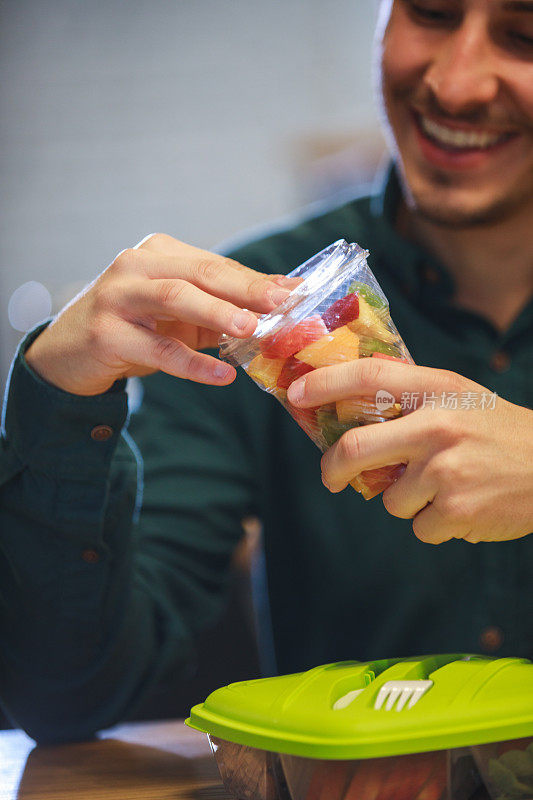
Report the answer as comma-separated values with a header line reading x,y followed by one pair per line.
x,y
404,692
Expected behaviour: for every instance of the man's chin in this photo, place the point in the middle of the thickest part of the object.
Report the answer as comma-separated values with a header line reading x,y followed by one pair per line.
x,y
454,215
452,209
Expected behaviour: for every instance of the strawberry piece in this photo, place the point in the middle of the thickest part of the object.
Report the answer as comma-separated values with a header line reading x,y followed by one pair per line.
x,y
292,338
292,369
341,312
389,358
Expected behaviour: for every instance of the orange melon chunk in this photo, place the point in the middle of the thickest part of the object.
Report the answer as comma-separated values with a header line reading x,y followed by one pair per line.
x,y
336,347
265,371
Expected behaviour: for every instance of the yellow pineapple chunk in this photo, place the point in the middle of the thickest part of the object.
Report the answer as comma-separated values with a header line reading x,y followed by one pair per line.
x,y
371,322
333,348
265,371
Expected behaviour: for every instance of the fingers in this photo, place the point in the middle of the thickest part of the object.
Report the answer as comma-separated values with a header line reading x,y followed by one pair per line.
x,y
215,274
137,345
372,446
167,299
433,526
367,376
411,492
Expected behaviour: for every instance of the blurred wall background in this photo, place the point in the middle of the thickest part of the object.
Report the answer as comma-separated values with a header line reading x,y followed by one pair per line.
x,y
199,118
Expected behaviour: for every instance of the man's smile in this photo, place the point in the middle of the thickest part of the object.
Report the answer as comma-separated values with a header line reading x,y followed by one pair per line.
x,y
458,136
456,145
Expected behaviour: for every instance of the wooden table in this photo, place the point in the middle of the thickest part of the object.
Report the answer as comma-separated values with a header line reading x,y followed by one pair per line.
x,y
141,761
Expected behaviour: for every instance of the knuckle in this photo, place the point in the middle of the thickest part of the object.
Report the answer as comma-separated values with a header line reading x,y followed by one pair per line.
x,y
454,508
220,314
438,469
101,297
453,381
165,350
171,294
156,239
126,260
475,536
208,270
420,531
257,289
230,263
350,445
446,468
441,426
392,504
370,372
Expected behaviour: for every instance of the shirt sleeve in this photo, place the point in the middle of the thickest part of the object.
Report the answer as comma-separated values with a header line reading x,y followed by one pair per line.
x,y
99,603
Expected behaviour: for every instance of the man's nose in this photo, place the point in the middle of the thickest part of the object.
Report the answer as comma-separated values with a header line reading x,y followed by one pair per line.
x,y
462,74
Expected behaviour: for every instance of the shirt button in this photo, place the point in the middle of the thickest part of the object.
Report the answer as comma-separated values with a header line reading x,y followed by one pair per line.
x,y
101,433
91,556
500,361
431,275
491,639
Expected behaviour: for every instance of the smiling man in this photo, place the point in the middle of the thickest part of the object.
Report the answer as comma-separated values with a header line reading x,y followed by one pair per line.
x,y
457,86
112,596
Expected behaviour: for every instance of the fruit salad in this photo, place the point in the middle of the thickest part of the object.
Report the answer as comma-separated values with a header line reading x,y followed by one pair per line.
x,y
336,313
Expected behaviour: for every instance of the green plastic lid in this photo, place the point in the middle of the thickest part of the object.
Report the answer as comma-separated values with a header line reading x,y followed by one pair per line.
x,y
359,710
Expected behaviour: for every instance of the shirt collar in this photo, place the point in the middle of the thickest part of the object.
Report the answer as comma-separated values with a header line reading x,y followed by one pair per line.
x,y
415,268
418,273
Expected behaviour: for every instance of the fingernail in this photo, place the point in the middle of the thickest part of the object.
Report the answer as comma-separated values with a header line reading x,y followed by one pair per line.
x,y
295,392
221,370
241,320
278,295
281,280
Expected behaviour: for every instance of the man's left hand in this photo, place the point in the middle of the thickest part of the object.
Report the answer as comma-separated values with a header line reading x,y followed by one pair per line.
x,y
469,471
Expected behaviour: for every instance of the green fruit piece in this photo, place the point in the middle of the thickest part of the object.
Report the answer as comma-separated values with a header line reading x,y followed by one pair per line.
x,y
520,763
369,346
371,297
506,783
330,427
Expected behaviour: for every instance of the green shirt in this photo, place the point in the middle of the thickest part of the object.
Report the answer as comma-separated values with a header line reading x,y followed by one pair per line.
x,y
100,604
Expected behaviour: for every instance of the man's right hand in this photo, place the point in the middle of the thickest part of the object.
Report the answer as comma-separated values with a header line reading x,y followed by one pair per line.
x,y
152,309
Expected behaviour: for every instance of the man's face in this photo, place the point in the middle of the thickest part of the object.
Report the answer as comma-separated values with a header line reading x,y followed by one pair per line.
x,y
457,87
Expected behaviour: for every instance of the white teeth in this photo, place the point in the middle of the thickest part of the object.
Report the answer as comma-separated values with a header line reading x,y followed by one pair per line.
x,y
456,138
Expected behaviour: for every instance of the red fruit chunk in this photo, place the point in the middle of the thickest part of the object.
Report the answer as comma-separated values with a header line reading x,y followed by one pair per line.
x,y
306,419
369,778
291,370
372,482
292,338
389,358
341,312
408,775
435,787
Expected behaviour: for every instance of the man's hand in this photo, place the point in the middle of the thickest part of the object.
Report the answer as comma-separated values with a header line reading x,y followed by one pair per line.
x,y
152,309
469,471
